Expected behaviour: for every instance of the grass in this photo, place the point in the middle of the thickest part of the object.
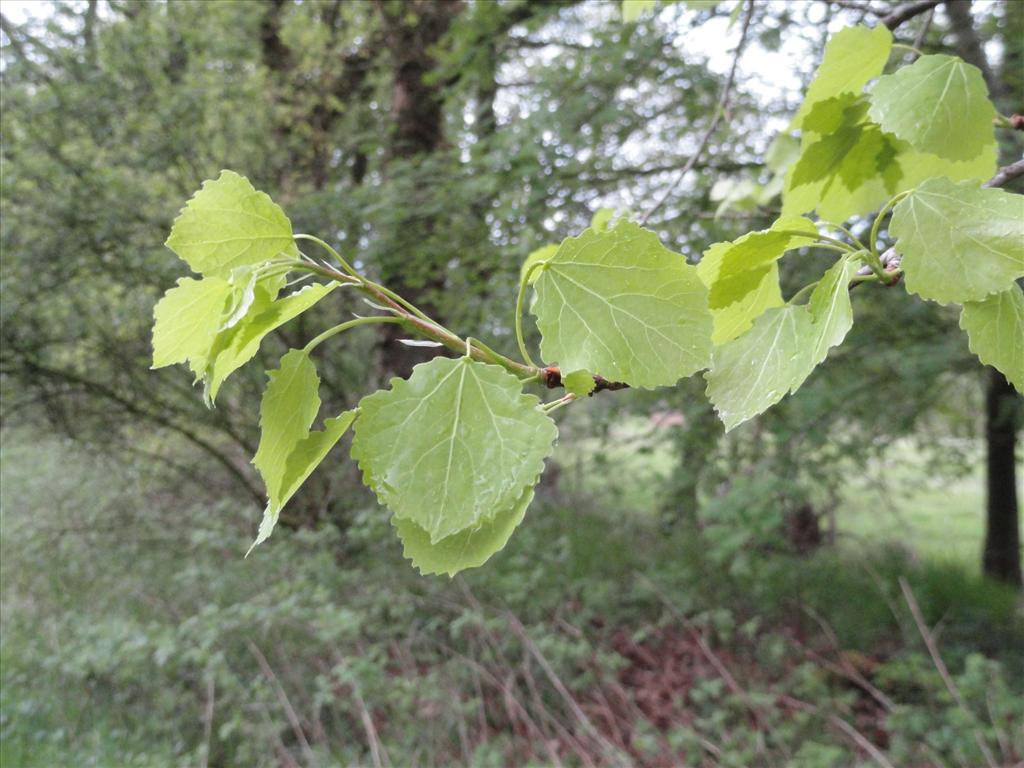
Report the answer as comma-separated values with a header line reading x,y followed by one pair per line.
x,y
937,517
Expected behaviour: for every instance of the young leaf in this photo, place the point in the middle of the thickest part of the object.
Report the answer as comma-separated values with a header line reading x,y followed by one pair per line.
x,y
305,457
735,319
289,405
959,242
235,346
753,372
288,452
939,104
579,383
853,56
229,224
186,321
847,166
601,219
830,308
620,304
541,254
452,446
995,330
466,549
735,269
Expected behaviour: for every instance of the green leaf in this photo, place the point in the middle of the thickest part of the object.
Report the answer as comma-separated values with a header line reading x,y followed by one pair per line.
x,y
452,446
305,457
939,104
579,383
186,321
853,56
830,308
735,269
541,254
753,372
601,219
289,405
229,224
634,9
288,452
995,331
235,346
620,304
735,319
921,166
847,166
468,548
959,242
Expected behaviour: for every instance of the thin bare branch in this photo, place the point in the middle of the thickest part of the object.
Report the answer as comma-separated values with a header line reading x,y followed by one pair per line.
x,y
723,105
907,11
940,666
1006,174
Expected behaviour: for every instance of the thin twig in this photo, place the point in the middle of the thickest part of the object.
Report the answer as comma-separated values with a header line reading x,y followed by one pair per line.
x,y
907,11
1006,174
940,666
207,722
723,105
284,701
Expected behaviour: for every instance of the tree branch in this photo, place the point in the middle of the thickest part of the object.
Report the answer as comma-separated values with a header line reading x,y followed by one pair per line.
x,y
1006,174
907,11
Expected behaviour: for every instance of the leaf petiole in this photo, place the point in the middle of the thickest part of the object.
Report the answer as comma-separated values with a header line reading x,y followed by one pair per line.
x,y
346,325
337,256
877,224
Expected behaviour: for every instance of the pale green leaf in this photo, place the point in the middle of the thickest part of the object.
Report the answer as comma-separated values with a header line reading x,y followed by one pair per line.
x,y
579,383
466,549
234,347
735,319
601,219
634,9
541,254
921,166
847,166
830,308
623,306
753,372
735,269
305,456
995,330
939,104
452,446
187,319
959,242
229,224
289,405
782,152
853,56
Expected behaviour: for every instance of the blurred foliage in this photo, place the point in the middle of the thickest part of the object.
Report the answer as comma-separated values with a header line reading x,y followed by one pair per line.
x,y
573,645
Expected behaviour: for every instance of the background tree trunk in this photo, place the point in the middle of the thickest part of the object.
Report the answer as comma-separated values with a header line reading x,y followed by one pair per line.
x,y
1001,557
